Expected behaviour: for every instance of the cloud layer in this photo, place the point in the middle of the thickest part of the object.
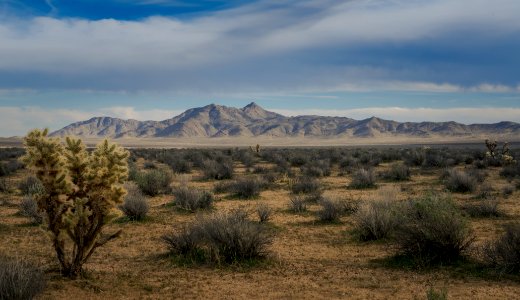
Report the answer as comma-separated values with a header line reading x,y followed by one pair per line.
x,y
274,45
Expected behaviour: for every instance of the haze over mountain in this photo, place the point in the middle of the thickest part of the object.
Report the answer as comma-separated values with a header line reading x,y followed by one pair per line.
x,y
254,121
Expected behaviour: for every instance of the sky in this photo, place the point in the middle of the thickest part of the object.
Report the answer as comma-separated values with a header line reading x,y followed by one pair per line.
x,y
63,61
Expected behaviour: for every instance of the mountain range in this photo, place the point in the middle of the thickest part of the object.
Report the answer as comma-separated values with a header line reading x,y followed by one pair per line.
x,y
254,121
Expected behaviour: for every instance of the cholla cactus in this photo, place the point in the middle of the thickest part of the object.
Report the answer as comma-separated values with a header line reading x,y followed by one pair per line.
x,y
81,189
257,148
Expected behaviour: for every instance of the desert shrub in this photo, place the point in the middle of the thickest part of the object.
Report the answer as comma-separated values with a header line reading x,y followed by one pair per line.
x,y
297,204
504,252
332,210
29,209
479,175
187,243
299,160
247,187
154,182
3,170
181,165
30,186
5,186
432,231
508,190
376,219
135,206
397,172
460,182
80,190
133,172
218,170
485,191
305,185
148,165
485,208
264,213
415,157
270,178
511,171
19,280
222,238
191,199
222,187
363,179
317,168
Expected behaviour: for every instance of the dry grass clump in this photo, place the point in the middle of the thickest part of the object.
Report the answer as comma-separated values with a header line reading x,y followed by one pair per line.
x,y
19,280
221,238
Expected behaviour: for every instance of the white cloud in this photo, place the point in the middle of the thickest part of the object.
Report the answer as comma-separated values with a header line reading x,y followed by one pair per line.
x,y
229,46
403,114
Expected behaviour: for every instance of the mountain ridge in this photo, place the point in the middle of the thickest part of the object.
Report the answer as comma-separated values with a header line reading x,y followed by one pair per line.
x,y
254,121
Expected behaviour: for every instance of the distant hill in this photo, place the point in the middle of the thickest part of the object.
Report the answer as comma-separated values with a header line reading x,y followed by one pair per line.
x,y
254,121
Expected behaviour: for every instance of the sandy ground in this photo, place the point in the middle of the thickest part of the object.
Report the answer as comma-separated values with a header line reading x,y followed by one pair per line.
x,y
309,260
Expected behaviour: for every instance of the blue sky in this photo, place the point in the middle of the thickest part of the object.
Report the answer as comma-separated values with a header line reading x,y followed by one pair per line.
x,y
67,60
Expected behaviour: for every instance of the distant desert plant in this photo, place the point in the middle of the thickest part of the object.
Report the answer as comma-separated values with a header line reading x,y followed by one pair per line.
x,y
332,209
80,190
213,169
305,185
247,187
298,204
135,205
460,181
154,182
264,213
19,279
192,199
363,179
397,172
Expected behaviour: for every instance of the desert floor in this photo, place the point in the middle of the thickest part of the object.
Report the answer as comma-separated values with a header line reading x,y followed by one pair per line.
x,y
309,259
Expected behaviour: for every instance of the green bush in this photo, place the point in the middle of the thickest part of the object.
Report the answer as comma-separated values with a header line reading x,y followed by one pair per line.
x,y
432,231
221,238
154,182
